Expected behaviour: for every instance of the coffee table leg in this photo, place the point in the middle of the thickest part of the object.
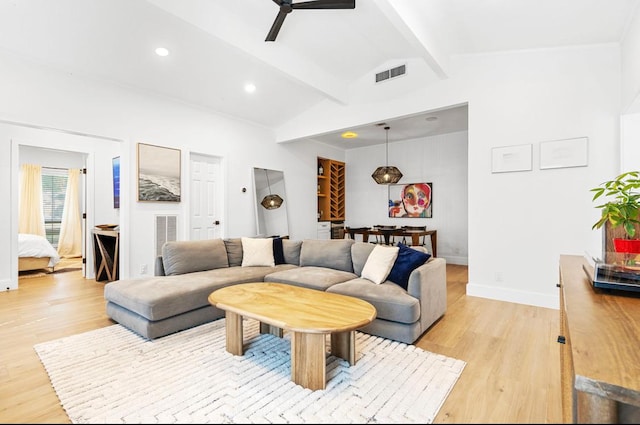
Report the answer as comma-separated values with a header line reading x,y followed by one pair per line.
x,y
308,360
270,329
343,345
233,325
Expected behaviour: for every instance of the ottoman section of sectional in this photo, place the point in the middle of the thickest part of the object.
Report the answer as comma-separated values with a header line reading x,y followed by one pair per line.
x,y
160,305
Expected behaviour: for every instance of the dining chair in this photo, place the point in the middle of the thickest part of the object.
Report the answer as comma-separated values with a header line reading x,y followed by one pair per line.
x,y
351,232
407,240
383,228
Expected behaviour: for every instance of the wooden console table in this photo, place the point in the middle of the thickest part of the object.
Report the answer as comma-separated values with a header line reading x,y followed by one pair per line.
x,y
600,349
106,246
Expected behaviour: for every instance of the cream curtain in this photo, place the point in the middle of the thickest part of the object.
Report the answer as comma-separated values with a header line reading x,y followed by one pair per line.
x,y
70,241
30,204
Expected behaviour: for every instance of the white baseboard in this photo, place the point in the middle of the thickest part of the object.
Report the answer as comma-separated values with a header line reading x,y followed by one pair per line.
x,y
452,259
514,296
7,285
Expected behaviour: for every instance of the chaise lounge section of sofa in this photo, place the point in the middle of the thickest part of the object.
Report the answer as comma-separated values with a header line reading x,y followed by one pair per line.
x,y
188,271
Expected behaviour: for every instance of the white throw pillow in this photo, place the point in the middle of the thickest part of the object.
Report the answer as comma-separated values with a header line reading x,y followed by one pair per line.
x,y
257,252
379,263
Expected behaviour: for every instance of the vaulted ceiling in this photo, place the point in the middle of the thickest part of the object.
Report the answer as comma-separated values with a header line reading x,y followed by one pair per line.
x,y
217,47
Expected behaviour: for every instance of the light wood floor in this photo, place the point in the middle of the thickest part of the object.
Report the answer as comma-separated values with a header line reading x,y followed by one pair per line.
x,y
512,373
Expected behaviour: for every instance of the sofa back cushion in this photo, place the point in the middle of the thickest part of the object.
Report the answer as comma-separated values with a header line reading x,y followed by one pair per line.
x,y
234,251
180,257
291,251
359,253
332,253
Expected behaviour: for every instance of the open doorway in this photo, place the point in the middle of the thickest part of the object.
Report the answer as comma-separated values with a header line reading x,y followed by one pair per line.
x,y
51,223
98,153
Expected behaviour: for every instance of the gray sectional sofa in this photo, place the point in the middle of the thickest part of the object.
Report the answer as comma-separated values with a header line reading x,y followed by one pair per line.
x,y
188,271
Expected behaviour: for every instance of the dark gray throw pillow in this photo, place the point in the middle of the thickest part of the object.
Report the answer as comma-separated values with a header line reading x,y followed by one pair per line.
x,y
278,251
234,251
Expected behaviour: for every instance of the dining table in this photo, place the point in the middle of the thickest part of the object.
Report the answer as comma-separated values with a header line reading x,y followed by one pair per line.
x,y
388,232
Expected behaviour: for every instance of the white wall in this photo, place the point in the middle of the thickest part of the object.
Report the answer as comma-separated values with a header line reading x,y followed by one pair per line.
x,y
519,223
630,142
630,62
531,218
440,160
47,157
630,121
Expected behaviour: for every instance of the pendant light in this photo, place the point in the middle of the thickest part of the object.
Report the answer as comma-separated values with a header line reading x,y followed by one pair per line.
x,y
387,174
271,202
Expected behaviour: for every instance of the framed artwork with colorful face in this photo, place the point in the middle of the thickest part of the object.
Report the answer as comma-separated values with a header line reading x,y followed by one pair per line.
x,y
410,200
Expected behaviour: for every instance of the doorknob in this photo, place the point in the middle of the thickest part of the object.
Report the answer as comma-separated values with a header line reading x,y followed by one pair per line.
x,y
217,222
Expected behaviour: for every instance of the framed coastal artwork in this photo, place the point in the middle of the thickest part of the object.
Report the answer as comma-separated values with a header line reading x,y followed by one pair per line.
x,y
411,200
158,173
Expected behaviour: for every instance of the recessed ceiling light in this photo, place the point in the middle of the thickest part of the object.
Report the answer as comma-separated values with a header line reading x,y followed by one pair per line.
x,y
162,51
250,88
431,118
349,135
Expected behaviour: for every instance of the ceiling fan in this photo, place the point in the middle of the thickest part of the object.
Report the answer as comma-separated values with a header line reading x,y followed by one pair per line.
x,y
287,6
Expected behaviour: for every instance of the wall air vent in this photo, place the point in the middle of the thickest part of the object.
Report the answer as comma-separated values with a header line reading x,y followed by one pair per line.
x,y
391,73
381,76
166,230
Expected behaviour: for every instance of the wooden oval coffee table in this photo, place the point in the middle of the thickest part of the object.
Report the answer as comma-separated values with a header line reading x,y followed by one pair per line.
x,y
307,313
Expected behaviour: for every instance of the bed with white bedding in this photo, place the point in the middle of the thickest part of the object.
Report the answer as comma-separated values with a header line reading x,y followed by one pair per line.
x,y
35,252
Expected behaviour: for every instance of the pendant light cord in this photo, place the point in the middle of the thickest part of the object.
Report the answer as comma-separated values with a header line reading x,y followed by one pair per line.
x,y
387,130
268,184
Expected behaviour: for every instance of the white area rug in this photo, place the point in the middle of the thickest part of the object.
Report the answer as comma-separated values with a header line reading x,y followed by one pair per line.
x,y
112,375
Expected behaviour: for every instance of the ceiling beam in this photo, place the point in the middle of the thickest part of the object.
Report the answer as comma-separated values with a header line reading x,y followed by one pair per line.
x,y
406,22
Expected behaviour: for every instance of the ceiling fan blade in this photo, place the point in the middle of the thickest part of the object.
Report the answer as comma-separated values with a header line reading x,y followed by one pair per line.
x,y
275,28
325,4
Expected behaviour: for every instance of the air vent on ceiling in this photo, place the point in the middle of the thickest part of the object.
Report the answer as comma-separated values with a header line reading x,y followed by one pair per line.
x,y
391,73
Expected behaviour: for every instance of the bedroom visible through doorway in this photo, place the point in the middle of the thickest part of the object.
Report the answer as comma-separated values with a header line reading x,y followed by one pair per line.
x,y
51,206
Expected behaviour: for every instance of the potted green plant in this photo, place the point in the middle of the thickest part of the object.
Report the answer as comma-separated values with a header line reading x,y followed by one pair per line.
x,y
621,209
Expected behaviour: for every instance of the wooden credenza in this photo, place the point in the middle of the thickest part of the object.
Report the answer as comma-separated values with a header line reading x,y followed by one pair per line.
x,y
599,349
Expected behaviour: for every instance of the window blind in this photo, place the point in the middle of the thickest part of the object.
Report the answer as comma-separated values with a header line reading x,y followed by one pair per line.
x,y
54,189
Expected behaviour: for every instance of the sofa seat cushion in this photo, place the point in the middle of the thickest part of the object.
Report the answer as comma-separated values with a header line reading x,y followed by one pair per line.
x,y
319,278
391,301
159,297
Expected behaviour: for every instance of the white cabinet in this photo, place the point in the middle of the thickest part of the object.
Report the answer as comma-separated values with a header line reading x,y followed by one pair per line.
x,y
324,230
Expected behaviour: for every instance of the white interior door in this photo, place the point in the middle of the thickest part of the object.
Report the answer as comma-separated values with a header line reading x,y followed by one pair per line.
x,y
206,197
